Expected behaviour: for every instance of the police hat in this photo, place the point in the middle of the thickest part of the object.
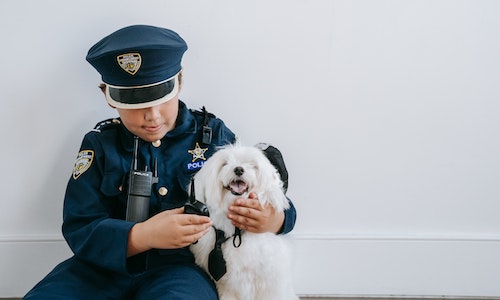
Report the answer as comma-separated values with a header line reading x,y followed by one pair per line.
x,y
140,65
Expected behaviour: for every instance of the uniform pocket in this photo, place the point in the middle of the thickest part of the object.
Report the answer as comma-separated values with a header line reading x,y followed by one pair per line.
x,y
114,189
113,184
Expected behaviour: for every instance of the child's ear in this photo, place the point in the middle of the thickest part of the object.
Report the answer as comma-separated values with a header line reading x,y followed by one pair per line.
x,y
180,79
102,87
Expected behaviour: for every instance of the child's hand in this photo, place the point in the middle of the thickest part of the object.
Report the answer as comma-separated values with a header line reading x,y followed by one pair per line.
x,y
169,229
249,215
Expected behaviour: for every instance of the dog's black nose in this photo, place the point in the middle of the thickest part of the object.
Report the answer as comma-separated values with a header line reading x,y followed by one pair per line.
x,y
239,171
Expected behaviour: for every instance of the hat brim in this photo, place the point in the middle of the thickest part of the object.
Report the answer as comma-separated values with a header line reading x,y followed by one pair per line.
x,y
142,96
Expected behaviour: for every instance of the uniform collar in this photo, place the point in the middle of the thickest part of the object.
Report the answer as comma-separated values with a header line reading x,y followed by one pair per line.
x,y
185,122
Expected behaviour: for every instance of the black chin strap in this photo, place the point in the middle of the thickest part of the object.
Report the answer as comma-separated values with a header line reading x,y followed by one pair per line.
x,y
216,261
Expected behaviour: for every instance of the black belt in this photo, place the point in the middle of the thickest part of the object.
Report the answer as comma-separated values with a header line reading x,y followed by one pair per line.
x,y
155,258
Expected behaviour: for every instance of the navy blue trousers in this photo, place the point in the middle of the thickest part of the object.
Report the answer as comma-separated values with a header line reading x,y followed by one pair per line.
x,y
74,279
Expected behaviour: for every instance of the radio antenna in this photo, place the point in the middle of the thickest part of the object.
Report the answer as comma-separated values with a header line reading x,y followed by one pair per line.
x,y
192,197
136,149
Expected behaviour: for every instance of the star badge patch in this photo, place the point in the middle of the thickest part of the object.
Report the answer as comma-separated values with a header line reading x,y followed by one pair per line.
x,y
83,162
198,153
130,62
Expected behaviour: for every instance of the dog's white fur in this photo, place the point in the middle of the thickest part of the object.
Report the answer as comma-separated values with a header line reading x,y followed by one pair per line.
x,y
261,267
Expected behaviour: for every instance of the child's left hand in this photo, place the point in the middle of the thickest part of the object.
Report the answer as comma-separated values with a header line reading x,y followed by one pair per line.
x,y
248,214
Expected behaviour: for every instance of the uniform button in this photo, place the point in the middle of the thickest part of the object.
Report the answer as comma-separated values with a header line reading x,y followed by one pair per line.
x,y
116,121
157,143
162,191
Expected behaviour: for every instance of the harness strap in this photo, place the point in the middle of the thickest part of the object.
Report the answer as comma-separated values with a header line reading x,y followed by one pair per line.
x,y
237,237
216,262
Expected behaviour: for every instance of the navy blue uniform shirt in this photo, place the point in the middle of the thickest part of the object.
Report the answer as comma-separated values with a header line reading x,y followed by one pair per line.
x,y
96,195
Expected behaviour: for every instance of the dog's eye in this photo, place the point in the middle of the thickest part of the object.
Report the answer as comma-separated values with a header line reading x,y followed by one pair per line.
x,y
221,166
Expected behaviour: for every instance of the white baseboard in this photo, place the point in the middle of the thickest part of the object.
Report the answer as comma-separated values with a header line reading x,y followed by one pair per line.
x,y
24,260
405,265
325,265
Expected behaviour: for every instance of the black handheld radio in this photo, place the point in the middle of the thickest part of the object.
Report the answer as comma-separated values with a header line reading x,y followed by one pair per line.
x,y
194,206
139,188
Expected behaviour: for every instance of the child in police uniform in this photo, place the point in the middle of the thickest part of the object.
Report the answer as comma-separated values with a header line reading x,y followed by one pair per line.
x,y
118,259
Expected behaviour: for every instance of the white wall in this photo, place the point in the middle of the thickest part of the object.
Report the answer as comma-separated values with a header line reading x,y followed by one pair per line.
x,y
387,113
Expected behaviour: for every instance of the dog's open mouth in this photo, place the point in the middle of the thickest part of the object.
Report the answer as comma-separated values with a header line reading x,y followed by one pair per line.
x,y
237,187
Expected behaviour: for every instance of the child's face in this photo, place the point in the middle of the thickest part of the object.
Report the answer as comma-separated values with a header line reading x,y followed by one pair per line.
x,y
152,123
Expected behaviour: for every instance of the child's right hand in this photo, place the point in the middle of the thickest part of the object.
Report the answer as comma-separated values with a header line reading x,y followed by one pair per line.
x,y
169,229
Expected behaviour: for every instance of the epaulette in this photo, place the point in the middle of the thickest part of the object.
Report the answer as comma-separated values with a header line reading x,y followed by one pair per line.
x,y
106,124
203,112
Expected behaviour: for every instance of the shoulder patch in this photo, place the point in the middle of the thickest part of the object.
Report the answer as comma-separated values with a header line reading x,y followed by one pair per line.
x,y
106,124
83,162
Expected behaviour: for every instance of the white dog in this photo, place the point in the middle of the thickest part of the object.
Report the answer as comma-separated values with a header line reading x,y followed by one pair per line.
x,y
257,265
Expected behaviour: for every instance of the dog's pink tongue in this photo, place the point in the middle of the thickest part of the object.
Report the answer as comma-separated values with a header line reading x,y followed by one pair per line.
x,y
238,187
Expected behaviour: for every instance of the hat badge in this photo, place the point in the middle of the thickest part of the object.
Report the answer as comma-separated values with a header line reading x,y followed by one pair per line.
x,y
130,62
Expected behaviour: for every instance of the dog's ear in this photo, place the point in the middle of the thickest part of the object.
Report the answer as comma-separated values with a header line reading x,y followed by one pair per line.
x,y
199,190
206,184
